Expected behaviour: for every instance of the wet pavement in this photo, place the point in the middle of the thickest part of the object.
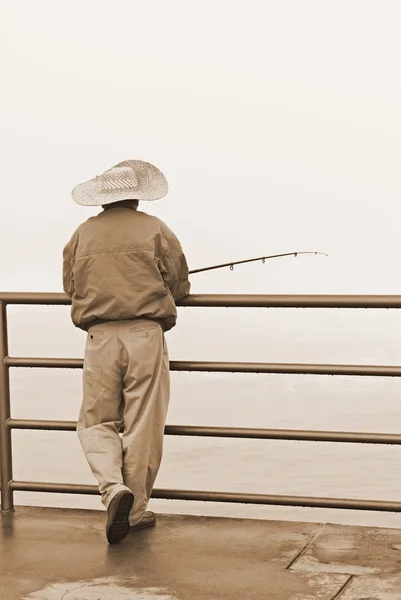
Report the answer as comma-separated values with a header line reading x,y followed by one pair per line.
x,y
62,554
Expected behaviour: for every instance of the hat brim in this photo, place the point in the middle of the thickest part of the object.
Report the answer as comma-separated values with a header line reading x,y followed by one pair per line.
x,y
152,185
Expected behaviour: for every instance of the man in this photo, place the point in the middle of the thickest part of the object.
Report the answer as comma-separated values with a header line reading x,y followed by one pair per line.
x,y
124,270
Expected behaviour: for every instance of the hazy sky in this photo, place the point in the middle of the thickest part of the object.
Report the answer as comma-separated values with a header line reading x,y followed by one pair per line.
x,y
276,123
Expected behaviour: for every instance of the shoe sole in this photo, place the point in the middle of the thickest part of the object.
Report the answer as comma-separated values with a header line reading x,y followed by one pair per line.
x,y
118,527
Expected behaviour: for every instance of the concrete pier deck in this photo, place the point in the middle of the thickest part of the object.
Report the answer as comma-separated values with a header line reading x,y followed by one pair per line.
x,y
62,554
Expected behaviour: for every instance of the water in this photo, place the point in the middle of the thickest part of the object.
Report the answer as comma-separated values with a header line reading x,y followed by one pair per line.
x,y
238,400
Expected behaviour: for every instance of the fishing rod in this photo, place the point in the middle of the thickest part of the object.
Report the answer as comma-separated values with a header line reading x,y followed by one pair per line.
x,y
262,258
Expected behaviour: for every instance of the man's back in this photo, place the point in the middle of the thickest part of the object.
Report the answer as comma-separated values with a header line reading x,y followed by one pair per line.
x,y
124,264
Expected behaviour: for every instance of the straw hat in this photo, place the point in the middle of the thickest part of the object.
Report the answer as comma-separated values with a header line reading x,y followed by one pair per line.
x,y
128,180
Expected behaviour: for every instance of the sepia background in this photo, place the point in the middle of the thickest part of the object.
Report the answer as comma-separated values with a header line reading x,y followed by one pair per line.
x,y
277,125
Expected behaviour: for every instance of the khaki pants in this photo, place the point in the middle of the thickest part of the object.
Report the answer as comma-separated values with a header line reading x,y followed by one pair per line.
x,y
126,380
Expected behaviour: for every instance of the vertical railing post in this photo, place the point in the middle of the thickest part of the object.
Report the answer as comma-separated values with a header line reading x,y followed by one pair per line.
x,y
6,473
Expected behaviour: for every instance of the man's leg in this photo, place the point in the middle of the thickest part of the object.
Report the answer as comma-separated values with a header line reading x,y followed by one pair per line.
x,y
146,392
102,409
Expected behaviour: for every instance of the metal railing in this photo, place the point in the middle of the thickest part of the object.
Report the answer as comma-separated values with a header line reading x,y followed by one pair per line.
x,y
7,424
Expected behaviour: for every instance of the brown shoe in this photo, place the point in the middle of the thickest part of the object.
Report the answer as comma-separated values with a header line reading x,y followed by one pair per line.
x,y
148,520
118,516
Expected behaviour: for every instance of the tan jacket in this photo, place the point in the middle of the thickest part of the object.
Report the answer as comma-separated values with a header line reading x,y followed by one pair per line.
x,y
124,264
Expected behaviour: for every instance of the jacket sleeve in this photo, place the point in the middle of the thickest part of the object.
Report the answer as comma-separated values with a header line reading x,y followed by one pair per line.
x,y
68,265
175,272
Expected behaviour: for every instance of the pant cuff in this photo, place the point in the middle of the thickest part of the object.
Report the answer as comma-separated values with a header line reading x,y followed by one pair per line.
x,y
108,496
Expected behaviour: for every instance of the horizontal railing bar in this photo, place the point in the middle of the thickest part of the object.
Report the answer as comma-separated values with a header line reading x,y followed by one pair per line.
x,y
229,367
57,488
287,368
54,363
43,298
280,500
291,301
41,425
233,432
236,300
206,496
